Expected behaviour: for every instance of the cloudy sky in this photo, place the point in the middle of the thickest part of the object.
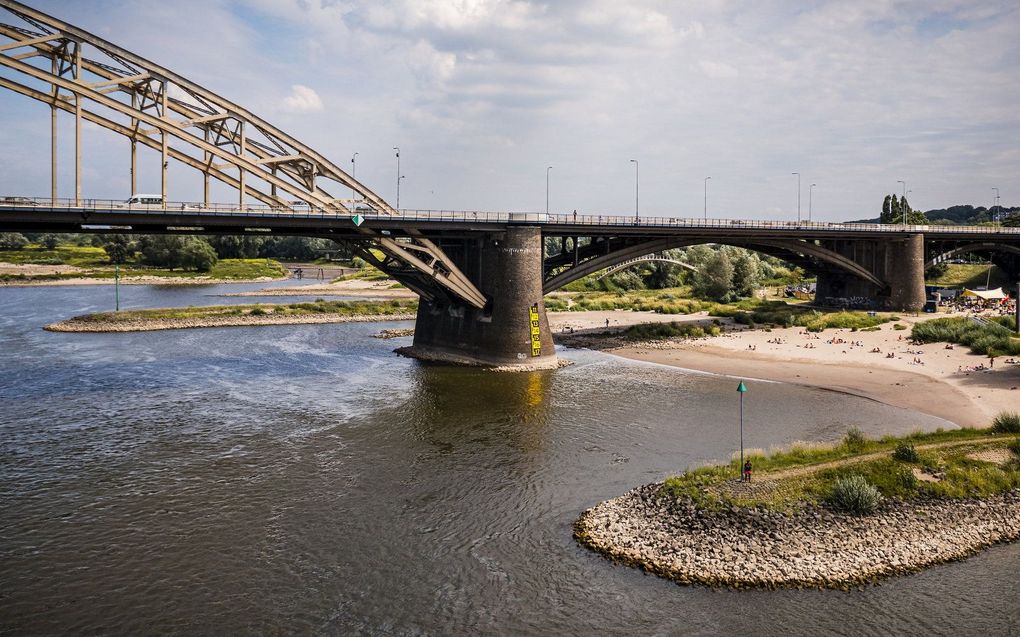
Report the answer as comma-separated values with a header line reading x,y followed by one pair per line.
x,y
482,95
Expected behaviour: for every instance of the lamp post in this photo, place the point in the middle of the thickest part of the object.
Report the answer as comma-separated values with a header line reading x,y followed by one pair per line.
x,y
396,148
706,197
637,180
798,196
904,208
810,192
741,389
547,169
995,206
354,174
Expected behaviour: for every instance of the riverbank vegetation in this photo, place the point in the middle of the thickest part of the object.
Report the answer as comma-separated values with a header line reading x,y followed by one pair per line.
x,y
856,474
173,255
317,307
994,337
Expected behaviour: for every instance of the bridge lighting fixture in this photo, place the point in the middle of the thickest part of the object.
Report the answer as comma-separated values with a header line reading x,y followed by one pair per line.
x,y
354,174
706,197
810,192
904,208
547,169
637,183
995,205
396,148
798,196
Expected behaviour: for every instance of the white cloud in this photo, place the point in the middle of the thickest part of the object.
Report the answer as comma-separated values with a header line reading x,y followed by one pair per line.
x,y
849,94
717,69
302,100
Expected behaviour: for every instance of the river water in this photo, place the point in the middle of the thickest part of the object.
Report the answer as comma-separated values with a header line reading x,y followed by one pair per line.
x,y
304,479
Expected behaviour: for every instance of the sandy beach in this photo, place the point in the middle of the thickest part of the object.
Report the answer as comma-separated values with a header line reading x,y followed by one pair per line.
x,y
355,287
948,383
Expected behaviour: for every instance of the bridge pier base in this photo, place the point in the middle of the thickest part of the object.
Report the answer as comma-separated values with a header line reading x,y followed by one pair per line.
x,y
512,332
899,262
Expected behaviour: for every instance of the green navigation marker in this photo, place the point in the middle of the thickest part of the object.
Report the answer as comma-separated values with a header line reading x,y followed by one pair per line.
x,y
741,388
358,220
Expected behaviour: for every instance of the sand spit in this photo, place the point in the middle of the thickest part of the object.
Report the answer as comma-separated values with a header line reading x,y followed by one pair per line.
x,y
79,324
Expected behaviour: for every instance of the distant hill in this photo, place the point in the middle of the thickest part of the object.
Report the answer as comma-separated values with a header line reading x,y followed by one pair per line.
x,y
966,215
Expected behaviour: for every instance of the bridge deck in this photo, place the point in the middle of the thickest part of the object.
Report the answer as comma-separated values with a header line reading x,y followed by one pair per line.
x,y
42,215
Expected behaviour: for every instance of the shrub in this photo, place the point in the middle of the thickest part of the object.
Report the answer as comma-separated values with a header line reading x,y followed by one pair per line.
x,y
1007,422
905,452
257,311
899,326
854,439
854,495
1014,448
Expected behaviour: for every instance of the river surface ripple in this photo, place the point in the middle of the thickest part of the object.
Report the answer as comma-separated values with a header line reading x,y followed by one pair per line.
x,y
304,479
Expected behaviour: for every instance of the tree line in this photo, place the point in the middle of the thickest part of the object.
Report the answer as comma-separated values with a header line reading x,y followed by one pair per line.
x,y
173,251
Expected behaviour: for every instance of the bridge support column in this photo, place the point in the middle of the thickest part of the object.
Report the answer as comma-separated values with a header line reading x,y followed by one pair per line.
x,y
507,268
898,262
906,274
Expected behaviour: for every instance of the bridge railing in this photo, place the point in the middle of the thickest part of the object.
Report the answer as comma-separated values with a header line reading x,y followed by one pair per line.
x,y
304,210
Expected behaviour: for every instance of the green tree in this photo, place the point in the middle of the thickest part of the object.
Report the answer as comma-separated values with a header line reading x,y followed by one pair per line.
x,y
197,254
747,273
236,247
714,279
49,240
12,241
1012,221
118,248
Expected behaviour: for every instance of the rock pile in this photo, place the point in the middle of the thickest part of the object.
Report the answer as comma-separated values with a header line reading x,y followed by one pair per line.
x,y
811,547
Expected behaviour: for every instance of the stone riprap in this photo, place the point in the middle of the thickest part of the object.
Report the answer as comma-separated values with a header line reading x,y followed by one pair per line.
x,y
810,547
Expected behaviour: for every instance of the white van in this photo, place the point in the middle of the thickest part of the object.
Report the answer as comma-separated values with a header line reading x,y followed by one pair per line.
x,y
146,200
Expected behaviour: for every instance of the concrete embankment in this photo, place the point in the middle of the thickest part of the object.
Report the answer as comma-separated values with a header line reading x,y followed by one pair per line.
x,y
812,547
243,320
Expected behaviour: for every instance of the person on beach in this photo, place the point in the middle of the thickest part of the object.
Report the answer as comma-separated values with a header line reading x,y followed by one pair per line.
x,y
747,471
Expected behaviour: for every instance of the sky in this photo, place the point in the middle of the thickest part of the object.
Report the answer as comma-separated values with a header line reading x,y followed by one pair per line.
x,y
482,96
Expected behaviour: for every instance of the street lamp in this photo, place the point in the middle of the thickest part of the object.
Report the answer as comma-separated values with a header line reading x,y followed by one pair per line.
x,y
354,174
547,169
706,197
396,148
810,192
995,206
798,196
904,208
637,179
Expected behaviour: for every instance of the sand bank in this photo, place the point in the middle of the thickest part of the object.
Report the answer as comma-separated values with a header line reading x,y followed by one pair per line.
x,y
931,379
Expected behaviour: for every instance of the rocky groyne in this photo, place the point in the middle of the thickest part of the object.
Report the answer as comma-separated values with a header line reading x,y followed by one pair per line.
x,y
809,547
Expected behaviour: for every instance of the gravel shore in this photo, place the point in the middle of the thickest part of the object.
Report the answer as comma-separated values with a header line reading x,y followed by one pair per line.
x,y
812,547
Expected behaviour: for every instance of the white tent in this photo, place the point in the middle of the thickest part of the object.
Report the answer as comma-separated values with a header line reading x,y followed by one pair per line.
x,y
986,295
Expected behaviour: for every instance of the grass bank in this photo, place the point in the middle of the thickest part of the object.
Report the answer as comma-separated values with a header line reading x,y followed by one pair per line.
x,y
224,269
988,339
940,465
317,307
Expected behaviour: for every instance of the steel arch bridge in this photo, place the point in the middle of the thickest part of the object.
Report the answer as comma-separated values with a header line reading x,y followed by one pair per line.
x,y
102,83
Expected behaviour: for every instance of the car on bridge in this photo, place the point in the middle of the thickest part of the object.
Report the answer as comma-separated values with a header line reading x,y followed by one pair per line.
x,y
18,201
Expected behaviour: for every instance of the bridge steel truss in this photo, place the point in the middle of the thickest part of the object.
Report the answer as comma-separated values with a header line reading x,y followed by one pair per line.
x,y
96,81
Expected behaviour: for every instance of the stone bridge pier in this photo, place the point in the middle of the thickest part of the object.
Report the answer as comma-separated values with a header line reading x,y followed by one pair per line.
x,y
897,262
511,331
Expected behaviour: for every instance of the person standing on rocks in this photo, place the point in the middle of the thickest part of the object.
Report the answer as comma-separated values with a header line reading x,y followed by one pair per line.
x,y
747,471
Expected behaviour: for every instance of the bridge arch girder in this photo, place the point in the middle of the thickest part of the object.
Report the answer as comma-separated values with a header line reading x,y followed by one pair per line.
x,y
646,259
158,103
986,246
792,246
211,133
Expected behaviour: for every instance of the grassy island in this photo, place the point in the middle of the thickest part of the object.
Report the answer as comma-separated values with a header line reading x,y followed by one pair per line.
x,y
814,515
318,311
